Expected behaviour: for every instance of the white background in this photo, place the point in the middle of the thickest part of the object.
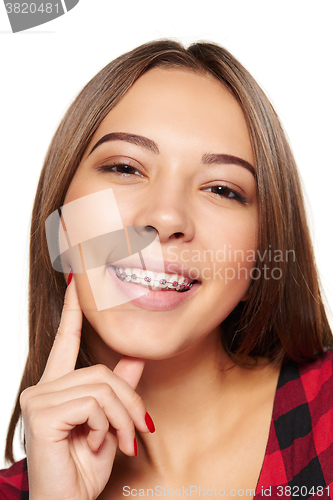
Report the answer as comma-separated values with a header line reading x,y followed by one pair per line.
x,y
287,45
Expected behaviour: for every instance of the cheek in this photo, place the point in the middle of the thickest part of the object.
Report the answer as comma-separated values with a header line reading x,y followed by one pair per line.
x,y
233,243
240,245
84,184
92,229
233,254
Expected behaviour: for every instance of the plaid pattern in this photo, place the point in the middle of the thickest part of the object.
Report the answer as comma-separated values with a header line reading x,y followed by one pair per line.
x,y
14,482
298,462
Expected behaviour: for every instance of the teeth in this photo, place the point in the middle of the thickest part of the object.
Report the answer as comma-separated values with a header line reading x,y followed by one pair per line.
x,y
162,280
156,281
128,272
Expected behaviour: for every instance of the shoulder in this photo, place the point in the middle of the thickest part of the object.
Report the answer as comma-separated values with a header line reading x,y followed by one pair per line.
x,y
304,401
14,482
306,384
300,446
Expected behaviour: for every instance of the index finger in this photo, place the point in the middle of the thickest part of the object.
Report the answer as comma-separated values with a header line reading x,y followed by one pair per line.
x,y
65,349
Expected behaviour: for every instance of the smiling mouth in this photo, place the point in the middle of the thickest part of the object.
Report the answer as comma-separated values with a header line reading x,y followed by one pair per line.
x,y
153,280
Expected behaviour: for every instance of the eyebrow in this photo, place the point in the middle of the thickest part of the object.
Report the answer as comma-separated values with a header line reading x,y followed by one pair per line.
x,y
211,159
138,140
207,158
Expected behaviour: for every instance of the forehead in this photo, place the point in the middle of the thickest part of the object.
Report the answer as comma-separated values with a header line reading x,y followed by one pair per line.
x,y
183,107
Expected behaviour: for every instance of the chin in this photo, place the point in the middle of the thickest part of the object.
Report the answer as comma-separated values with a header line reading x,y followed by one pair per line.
x,y
139,340
143,348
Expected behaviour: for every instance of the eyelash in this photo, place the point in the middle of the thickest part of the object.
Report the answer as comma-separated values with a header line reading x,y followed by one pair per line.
x,y
236,195
109,168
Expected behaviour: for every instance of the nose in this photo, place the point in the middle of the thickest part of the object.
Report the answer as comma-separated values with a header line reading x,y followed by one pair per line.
x,y
167,209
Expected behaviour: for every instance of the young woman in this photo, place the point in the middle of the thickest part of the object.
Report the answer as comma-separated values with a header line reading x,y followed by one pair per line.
x,y
220,332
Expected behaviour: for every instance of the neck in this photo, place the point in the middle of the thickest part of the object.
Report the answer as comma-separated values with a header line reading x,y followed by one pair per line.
x,y
182,380
198,393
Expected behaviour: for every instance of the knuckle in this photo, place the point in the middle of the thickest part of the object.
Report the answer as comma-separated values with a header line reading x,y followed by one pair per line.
x,y
101,371
29,407
136,400
129,425
106,426
127,428
36,423
25,397
105,390
91,403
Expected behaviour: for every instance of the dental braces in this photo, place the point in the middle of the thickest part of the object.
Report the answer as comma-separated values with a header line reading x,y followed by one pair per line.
x,y
147,279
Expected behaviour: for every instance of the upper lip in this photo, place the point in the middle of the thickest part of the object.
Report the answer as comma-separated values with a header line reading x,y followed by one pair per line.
x,y
168,267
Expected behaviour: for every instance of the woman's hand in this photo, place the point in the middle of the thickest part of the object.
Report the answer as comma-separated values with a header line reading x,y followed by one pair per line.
x,y
74,419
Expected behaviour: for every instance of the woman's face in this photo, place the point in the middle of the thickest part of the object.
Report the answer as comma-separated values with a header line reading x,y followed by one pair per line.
x,y
178,177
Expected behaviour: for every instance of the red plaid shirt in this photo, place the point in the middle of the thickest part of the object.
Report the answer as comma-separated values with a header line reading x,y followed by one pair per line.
x,y
14,482
299,455
298,462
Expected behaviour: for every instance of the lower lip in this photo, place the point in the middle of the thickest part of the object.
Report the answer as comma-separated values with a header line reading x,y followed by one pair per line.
x,y
153,299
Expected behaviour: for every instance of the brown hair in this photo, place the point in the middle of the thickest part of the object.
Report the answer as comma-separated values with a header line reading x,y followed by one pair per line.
x,y
282,319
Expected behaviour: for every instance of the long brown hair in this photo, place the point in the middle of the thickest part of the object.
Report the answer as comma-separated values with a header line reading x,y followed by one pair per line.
x,y
282,319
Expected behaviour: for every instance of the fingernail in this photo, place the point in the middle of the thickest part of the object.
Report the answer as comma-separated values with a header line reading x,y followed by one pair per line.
x,y
149,422
70,276
135,447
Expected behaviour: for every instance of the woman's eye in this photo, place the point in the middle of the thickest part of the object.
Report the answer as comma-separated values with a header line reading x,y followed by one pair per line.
x,y
230,194
120,168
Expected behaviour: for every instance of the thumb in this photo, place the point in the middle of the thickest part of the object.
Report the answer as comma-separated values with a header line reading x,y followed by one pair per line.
x,y
130,369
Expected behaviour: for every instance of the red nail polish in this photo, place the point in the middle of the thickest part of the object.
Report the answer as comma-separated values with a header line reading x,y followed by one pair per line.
x,y
70,276
149,422
135,447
